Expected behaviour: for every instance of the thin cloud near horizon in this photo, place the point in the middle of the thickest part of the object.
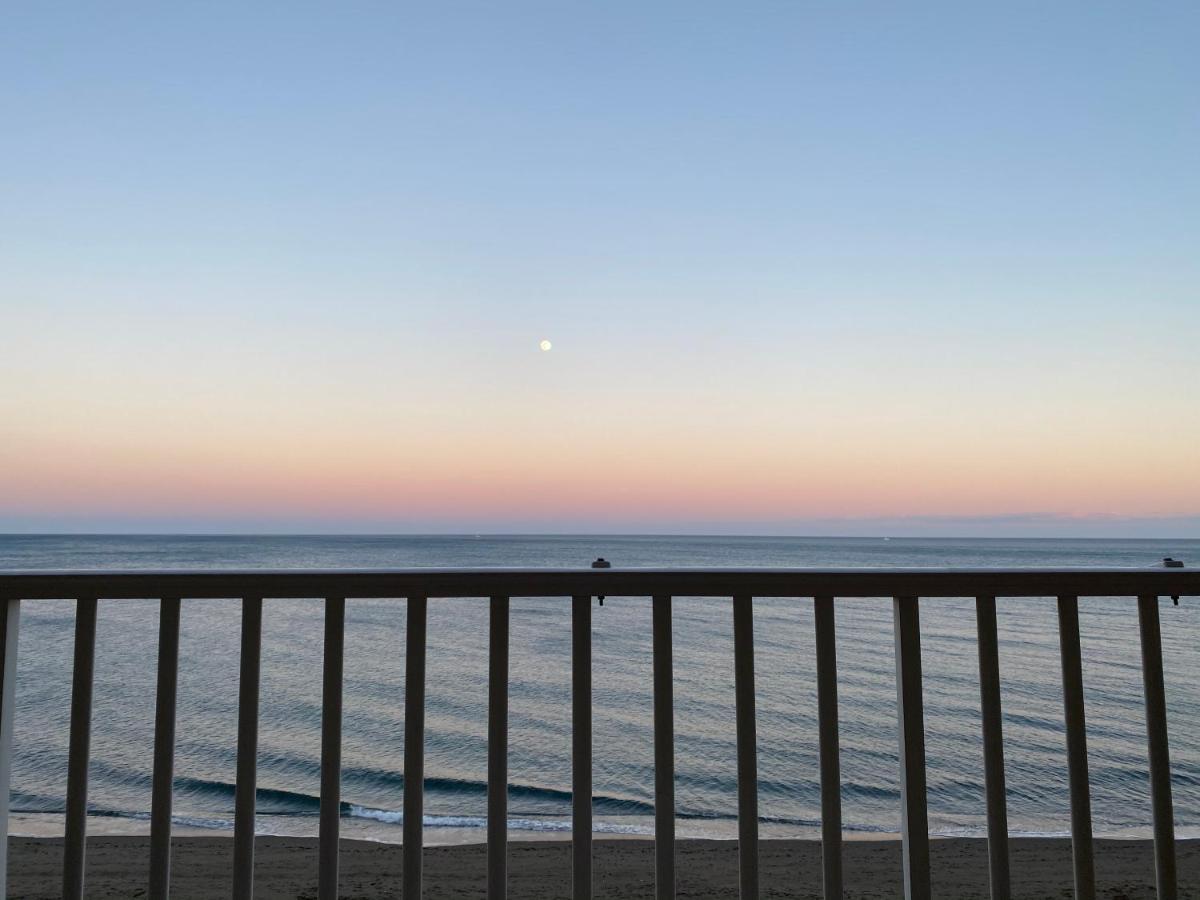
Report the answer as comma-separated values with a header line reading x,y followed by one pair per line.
x,y
945,527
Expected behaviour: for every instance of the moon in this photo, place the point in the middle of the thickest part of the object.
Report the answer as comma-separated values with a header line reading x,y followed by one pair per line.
x,y
545,345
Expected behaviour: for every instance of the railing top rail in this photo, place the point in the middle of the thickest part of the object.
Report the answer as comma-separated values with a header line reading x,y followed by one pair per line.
x,y
631,582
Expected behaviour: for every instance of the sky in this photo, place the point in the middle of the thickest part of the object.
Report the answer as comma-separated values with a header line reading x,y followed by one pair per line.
x,y
810,268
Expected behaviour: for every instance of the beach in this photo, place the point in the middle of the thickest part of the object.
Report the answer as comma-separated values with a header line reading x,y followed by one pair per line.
x,y
286,869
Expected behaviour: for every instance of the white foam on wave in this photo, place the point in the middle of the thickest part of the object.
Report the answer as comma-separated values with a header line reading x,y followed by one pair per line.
x,y
395,817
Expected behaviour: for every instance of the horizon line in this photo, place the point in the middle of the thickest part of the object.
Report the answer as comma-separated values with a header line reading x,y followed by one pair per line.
x,y
597,534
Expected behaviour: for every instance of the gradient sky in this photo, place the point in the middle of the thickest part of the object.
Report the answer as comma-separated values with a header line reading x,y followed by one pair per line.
x,y
806,268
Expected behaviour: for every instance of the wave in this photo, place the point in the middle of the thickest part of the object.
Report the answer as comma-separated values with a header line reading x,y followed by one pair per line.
x,y
603,804
562,825
268,801
271,801
211,799
394,817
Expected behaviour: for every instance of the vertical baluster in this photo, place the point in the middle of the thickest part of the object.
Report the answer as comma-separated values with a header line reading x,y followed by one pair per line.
x,y
497,828
1077,763
581,747
164,748
747,746
10,624
331,747
914,815
414,745
1160,757
831,775
247,749
74,844
664,752
993,747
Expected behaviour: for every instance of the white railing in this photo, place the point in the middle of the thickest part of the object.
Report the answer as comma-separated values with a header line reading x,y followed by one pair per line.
x,y
418,586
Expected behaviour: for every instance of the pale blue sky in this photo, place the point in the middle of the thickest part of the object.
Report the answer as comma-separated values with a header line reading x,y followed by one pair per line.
x,y
756,217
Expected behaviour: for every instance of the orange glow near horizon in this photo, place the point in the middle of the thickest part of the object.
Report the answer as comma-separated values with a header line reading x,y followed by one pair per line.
x,y
596,469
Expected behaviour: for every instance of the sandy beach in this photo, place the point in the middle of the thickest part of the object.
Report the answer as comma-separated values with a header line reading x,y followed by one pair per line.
x,y
287,868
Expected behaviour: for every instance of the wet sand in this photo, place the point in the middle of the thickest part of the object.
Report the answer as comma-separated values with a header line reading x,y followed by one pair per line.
x,y
287,868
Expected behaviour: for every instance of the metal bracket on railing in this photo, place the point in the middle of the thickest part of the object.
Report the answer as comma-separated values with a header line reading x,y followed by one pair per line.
x,y
1169,563
601,563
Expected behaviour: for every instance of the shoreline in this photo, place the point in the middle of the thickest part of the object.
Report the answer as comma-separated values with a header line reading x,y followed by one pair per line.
x,y
286,868
621,828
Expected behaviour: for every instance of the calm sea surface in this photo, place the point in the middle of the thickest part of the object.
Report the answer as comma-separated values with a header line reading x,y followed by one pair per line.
x,y
456,751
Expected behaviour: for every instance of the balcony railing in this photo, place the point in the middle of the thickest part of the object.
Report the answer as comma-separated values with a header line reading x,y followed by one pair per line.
x,y
905,587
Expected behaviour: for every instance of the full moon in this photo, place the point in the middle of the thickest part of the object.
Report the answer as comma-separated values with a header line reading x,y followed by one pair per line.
x,y
545,345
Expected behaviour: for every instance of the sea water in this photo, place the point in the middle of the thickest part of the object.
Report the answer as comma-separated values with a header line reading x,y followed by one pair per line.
x,y
540,722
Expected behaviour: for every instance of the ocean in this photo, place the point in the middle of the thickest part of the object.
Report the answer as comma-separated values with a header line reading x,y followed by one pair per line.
x,y
540,727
